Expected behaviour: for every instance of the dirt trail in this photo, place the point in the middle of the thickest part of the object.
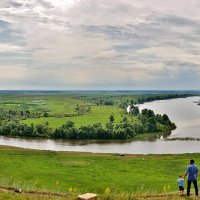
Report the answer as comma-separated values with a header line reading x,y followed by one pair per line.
x,y
51,194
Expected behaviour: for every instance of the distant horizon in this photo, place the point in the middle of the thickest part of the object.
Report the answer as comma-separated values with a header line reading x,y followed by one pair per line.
x,y
123,90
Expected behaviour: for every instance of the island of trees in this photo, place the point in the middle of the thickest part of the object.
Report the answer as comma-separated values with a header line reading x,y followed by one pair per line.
x,y
145,121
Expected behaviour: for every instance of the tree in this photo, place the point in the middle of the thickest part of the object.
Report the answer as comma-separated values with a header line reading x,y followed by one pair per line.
x,y
46,123
148,113
166,120
110,126
134,110
125,120
111,118
131,102
145,112
46,114
69,124
28,113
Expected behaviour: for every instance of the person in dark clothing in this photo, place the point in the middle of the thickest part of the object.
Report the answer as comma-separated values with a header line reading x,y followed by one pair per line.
x,y
192,172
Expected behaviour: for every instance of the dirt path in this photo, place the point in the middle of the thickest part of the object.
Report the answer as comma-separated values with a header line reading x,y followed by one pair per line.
x,y
48,194
51,194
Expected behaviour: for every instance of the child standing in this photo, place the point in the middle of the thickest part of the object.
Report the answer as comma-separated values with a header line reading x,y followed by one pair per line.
x,y
180,183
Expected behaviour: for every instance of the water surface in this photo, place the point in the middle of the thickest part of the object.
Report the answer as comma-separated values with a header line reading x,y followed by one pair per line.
x,y
184,112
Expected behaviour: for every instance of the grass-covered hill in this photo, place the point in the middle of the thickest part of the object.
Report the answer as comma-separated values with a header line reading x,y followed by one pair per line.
x,y
105,174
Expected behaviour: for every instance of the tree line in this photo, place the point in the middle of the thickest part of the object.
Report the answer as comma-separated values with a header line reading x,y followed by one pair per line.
x,y
162,97
146,121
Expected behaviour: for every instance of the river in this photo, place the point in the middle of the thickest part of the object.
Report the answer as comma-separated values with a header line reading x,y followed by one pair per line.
x,y
184,112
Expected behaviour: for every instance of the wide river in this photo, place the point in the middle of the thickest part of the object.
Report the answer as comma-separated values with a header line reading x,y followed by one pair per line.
x,y
184,112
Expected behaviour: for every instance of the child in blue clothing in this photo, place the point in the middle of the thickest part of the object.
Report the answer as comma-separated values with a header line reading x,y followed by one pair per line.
x,y
180,183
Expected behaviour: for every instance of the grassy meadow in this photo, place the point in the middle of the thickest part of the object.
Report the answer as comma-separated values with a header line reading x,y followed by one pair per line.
x,y
62,108
80,108
76,173
40,102
98,114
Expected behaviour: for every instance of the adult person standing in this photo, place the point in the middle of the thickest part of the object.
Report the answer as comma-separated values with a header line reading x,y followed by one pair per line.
x,y
192,172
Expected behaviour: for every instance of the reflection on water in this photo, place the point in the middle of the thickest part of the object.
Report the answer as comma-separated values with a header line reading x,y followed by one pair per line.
x,y
184,112
139,147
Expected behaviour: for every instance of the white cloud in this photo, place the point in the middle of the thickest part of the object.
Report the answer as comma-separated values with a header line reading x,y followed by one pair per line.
x,y
10,48
102,41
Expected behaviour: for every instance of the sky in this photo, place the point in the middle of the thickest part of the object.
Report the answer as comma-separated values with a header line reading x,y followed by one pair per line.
x,y
99,44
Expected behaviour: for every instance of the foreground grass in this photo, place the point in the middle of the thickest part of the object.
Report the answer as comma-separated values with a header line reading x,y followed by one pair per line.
x,y
68,172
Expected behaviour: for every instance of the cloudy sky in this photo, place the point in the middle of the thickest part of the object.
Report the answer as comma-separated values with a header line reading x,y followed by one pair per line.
x,y
99,44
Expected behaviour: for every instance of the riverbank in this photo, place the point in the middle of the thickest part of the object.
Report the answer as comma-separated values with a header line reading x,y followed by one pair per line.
x,y
76,173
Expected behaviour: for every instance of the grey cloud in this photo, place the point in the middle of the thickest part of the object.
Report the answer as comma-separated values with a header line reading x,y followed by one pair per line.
x,y
14,4
156,28
128,47
46,4
187,66
176,20
122,38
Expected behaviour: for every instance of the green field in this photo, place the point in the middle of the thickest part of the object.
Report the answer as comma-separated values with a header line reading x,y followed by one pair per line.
x,y
98,114
61,108
76,173
53,104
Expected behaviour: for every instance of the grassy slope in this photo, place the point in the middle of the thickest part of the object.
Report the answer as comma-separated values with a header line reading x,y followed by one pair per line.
x,y
87,172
